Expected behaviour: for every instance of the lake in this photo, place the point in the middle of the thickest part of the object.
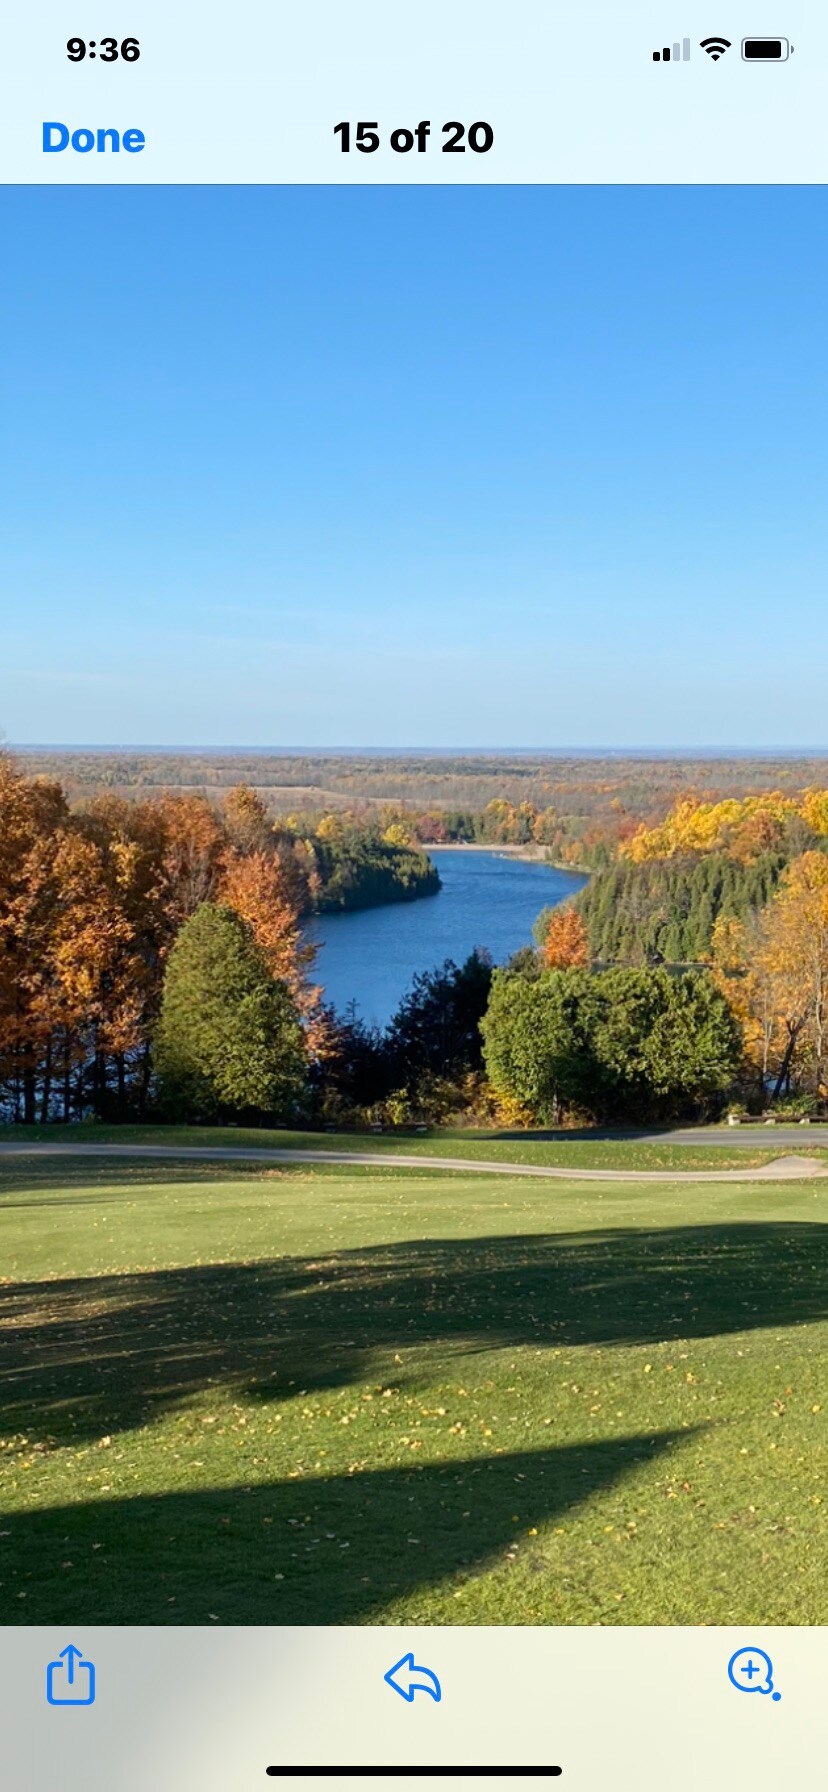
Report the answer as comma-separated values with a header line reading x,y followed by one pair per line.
x,y
488,899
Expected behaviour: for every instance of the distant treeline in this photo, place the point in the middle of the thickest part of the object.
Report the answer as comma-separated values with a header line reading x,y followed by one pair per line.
x,y
503,823
586,789
361,870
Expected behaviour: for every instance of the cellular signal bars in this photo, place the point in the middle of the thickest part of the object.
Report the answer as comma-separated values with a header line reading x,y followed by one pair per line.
x,y
679,53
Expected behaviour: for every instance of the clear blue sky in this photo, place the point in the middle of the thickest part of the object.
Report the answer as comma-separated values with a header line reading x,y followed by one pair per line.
x,y
387,467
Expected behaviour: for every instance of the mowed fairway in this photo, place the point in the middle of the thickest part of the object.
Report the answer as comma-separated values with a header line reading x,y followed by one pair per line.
x,y
344,1395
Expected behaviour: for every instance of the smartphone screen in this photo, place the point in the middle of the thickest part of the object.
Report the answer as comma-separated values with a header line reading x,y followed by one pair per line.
x,y
413,898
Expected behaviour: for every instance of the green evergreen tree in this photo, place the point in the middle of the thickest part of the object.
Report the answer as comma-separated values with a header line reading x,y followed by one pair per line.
x,y
228,1040
436,1028
665,909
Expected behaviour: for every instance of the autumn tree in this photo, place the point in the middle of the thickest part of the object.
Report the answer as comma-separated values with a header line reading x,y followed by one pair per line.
x,y
546,827
256,888
134,842
741,972
246,819
745,826
804,899
330,829
193,847
31,812
815,811
793,954
93,992
253,886
397,833
773,968
563,938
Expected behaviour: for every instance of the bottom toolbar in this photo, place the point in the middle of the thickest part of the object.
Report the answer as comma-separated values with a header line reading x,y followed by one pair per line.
x,y
226,1710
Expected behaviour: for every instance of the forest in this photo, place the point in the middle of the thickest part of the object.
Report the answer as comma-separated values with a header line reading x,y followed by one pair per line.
x,y
665,911
154,961
607,795
580,807
94,897
740,887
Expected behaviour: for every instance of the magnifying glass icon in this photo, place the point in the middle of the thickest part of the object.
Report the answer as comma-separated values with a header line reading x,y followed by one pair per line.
x,y
751,1670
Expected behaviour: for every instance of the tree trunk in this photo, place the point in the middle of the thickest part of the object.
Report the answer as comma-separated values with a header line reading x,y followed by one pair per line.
x,y
143,1084
29,1096
783,1080
99,1084
819,1026
46,1092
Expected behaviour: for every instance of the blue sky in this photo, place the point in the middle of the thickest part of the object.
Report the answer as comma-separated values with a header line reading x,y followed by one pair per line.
x,y
442,467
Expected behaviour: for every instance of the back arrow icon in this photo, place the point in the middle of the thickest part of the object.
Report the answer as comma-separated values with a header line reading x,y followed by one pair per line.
x,y
407,1678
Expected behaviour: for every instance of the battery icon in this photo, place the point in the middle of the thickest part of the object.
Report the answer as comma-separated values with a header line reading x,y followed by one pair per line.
x,y
766,49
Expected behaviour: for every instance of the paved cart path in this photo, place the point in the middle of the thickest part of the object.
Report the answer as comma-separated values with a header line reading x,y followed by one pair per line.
x,y
782,1169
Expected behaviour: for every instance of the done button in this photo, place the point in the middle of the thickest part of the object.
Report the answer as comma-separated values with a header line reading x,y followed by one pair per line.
x,y
57,137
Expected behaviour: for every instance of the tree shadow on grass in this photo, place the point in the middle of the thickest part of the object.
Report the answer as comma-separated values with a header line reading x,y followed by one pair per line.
x,y
334,1550
67,1181
102,1354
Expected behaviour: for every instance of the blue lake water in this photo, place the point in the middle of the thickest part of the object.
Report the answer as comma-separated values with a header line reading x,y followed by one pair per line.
x,y
488,899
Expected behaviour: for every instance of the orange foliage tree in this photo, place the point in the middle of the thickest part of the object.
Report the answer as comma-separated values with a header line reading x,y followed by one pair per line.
x,y
564,945
256,887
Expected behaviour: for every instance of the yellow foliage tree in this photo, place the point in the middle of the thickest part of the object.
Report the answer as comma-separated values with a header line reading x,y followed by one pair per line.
x,y
743,979
774,972
796,947
745,826
397,834
815,810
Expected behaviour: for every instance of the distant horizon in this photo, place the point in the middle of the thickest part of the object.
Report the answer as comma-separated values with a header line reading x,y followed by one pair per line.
x,y
378,752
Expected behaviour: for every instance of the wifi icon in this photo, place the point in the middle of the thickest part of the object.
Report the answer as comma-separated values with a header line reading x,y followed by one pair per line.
x,y
715,46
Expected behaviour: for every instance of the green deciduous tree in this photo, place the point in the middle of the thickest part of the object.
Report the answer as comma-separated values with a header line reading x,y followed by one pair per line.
x,y
665,1043
536,1045
613,1045
228,1038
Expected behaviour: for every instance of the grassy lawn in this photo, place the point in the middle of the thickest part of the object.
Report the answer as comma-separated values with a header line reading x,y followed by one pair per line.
x,y
338,1395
